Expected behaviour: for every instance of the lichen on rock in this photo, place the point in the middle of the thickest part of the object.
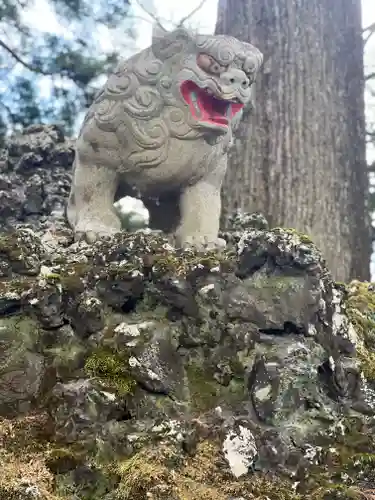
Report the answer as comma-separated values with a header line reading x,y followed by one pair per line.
x,y
164,373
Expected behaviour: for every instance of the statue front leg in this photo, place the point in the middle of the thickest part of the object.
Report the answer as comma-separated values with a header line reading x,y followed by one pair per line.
x,y
200,208
90,211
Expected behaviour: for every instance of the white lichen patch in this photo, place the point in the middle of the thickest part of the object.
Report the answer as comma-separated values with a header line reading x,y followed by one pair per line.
x,y
322,306
109,395
312,453
295,485
198,266
367,392
336,428
311,330
340,322
32,491
239,449
131,332
332,363
241,245
132,438
205,289
168,247
297,348
263,393
47,271
134,362
126,329
152,375
219,411
170,428
136,273
11,295
92,302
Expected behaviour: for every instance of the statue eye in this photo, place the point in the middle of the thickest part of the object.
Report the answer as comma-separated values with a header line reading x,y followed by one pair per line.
x,y
251,78
215,67
208,64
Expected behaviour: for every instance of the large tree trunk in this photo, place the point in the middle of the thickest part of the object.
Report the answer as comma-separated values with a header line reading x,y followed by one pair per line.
x,y
300,158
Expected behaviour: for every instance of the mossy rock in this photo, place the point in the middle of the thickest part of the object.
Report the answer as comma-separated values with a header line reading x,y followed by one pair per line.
x,y
346,460
23,469
193,478
181,263
206,393
304,238
61,460
111,369
360,309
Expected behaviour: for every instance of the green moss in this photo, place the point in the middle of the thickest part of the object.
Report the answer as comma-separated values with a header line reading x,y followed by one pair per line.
x,y
360,309
24,446
94,486
367,362
270,284
362,464
18,334
329,491
303,237
67,355
72,276
345,459
203,389
132,477
263,488
16,286
182,262
206,393
111,369
61,460
194,477
149,310
52,278
237,367
10,246
360,305
139,473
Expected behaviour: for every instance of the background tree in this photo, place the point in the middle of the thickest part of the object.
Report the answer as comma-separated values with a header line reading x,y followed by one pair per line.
x,y
51,77
300,158
369,42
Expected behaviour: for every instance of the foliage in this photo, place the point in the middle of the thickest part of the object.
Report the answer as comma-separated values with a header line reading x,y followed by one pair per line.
x,y
51,73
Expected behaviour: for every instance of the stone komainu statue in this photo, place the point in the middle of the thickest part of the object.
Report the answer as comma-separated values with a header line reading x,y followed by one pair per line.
x,y
161,127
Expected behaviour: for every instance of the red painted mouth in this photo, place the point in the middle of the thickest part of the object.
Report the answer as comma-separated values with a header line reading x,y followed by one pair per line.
x,y
208,108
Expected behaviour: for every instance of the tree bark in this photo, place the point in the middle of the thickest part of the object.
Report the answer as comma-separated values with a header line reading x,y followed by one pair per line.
x,y
300,156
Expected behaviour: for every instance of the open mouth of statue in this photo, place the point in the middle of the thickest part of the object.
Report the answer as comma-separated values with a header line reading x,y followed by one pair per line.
x,y
208,108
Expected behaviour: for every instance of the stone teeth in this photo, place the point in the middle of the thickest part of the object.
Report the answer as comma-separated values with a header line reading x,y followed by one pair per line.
x,y
194,100
229,110
209,91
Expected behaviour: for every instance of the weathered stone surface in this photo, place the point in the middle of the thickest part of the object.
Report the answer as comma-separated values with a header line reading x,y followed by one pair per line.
x,y
157,373
22,367
35,176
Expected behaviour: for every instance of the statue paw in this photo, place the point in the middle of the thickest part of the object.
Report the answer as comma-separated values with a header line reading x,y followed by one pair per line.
x,y
92,231
218,244
200,243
